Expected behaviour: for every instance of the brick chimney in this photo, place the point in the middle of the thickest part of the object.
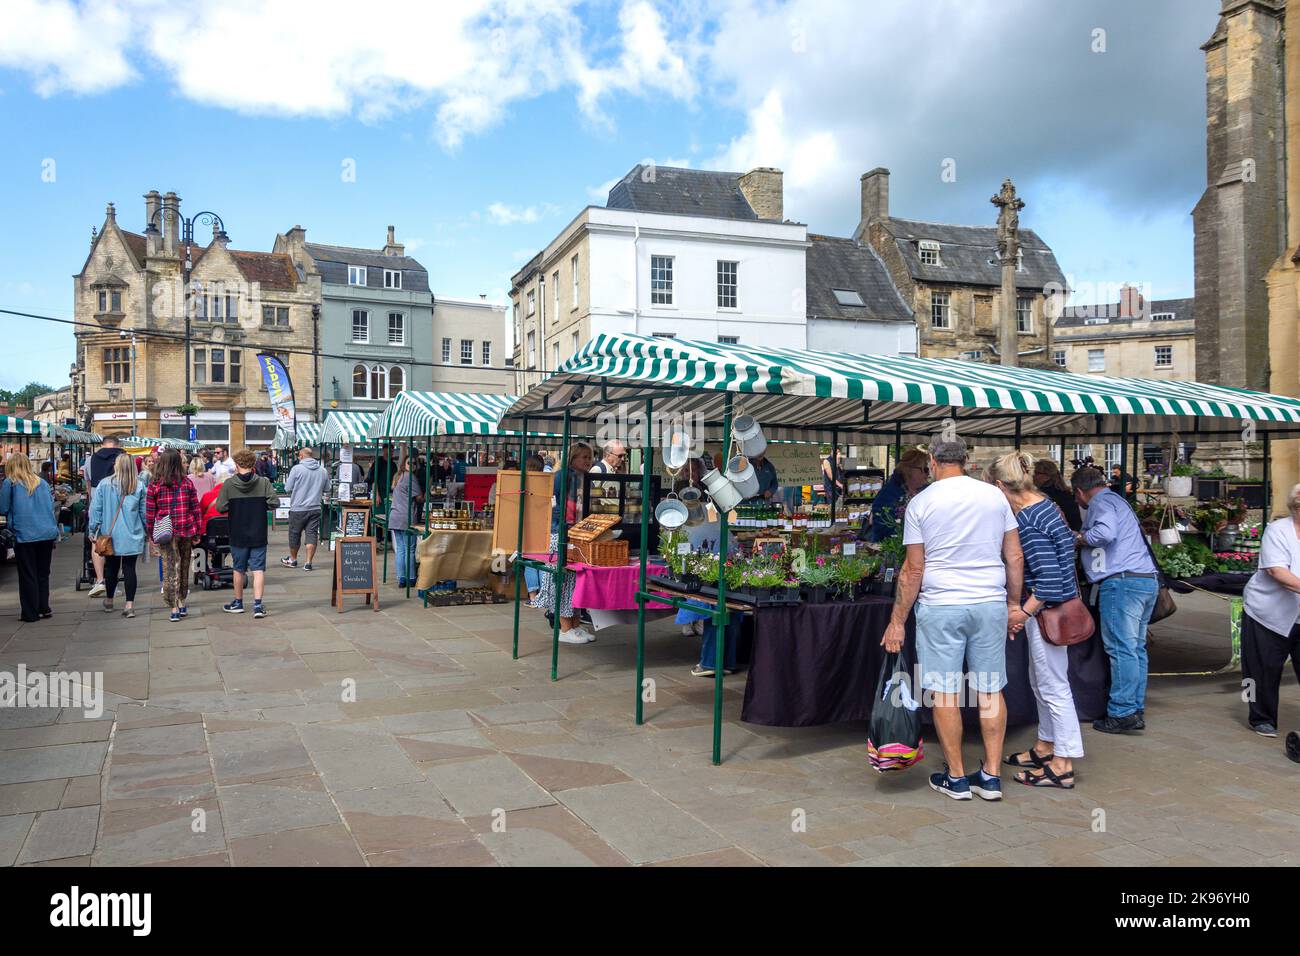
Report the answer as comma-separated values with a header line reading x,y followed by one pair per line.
x,y
875,197
152,203
171,223
393,248
762,189
1131,305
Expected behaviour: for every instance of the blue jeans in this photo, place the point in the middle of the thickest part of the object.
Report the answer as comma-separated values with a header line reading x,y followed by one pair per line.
x,y
404,547
532,580
709,651
1126,606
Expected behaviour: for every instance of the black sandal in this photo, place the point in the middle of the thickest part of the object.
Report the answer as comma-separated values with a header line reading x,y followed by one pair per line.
x,y
1035,762
1048,778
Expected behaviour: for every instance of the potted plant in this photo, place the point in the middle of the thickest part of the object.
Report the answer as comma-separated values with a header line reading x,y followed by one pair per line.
x,y
1210,517
762,581
1179,482
814,580
190,409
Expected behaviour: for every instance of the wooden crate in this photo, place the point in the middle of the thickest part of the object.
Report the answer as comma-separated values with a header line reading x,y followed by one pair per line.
x,y
601,554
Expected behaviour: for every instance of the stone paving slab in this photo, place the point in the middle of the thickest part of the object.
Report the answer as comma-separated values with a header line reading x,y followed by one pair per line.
x,y
410,737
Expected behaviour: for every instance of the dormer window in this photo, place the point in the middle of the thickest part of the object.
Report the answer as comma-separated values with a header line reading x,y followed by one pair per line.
x,y
357,275
1163,316
929,251
392,278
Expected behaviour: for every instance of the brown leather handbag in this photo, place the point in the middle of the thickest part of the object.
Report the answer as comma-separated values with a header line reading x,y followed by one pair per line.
x,y
104,542
1068,623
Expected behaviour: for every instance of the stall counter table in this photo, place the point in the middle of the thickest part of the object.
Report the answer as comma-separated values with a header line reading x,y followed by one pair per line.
x,y
607,588
818,664
446,555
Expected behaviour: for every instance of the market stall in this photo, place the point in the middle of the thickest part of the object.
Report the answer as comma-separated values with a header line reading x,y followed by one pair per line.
x,y
456,532
709,389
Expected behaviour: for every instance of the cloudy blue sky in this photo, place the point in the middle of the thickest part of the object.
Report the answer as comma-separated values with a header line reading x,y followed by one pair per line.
x,y
480,128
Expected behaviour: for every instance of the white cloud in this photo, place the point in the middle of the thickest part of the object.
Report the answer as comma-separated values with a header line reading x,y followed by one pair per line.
x,y
504,215
469,60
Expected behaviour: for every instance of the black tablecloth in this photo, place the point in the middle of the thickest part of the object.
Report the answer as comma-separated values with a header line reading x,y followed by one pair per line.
x,y
818,664
1221,582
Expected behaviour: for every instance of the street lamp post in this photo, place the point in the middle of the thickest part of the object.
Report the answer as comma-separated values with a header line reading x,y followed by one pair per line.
x,y
187,237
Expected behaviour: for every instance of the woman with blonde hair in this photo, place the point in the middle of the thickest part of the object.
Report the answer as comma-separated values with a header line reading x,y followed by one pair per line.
x,y
117,510
200,477
29,503
1048,546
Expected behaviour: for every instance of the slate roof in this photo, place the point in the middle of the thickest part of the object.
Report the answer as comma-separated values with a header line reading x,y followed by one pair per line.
x,y
690,192
274,270
1077,315
333,262
833,263
968,255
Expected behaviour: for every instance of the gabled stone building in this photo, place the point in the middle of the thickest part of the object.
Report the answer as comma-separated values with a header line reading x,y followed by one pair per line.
x,y
240,303
950,276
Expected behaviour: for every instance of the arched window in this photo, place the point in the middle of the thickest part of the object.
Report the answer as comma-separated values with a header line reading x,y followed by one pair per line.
x,y
359,381
378,381
396,381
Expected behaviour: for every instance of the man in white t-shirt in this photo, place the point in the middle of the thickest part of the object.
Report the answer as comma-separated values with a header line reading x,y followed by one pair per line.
x,y
222,465
963,569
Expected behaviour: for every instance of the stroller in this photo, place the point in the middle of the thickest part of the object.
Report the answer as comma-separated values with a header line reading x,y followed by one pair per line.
x,y
216,571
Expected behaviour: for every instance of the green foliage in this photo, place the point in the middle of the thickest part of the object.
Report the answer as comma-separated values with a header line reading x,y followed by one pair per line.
x,y
24,396
1182,470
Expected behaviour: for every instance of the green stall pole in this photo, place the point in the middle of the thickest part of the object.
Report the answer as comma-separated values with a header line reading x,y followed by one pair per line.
x,y
720,614
428,454
647,455
831,493
519,537
1268,477
388,504
1123,458
410,453
562,542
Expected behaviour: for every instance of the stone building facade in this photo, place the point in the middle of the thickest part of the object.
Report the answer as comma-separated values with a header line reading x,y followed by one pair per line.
x,y
1239,222
240,303
950,277
1131,338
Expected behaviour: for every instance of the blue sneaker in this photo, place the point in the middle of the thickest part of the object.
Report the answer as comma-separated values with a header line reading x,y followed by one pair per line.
x,y
234,607
984,785
184,612
258,610
175,617
956,787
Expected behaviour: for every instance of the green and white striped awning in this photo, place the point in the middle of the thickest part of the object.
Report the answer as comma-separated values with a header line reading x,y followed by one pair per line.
x,y
434,414
347,428
13,425
142,441
73,436
805,394
309,433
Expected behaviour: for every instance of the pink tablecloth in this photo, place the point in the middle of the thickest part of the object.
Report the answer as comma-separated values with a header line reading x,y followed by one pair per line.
x,y
610,589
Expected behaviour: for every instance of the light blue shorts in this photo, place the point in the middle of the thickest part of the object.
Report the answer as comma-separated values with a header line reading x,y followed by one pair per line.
x,y
949,634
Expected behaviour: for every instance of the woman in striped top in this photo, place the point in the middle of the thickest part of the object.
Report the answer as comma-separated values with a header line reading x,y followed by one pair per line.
x,y
1050,579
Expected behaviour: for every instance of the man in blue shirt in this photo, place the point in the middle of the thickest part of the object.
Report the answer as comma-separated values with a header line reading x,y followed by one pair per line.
x,y
1117,559
768,480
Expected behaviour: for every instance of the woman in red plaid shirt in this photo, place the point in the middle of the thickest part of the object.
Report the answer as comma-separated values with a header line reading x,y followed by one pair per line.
x,y
171,493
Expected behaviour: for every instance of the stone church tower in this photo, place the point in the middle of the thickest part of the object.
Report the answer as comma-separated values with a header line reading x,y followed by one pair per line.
x,y
1240,220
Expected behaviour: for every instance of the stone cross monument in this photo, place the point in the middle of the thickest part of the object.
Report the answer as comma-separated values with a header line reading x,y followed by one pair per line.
x,y
1009,206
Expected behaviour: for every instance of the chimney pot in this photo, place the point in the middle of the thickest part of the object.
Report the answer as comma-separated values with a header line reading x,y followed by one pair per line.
x,y
763,190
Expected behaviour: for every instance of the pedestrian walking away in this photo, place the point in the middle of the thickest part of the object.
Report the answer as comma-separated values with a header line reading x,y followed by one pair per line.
x,y
99,467
1270,624
246,498
117,510
963,564
28,503
172,522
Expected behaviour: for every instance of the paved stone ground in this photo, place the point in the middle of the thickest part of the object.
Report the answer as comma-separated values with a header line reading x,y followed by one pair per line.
x,y
243,720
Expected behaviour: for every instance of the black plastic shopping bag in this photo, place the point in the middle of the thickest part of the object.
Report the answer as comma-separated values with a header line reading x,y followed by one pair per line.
x,y
894,732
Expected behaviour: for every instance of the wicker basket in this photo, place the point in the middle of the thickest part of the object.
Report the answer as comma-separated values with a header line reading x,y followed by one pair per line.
x,y
601,554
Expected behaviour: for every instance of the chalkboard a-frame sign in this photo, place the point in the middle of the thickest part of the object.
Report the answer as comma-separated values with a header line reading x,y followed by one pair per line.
x,y
356,522
354,571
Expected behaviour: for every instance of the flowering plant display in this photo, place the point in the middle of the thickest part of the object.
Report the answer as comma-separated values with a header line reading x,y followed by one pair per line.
x,y
1236,561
